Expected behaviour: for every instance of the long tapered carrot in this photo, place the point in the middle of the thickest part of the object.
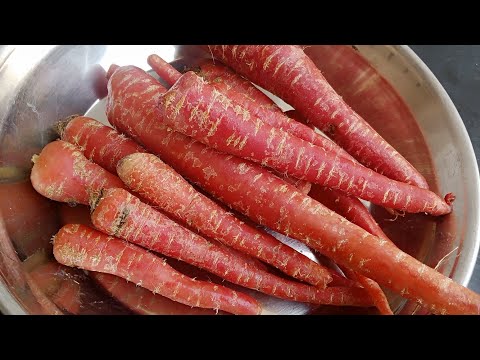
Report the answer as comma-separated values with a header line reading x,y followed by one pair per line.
x,y
135,116
245,238
349,207
168,73
353,210
62,173
244,94
196,109
142,301
268,200
121,214
165,188
231,83
289,73
83,247
275,204
100,144
373,97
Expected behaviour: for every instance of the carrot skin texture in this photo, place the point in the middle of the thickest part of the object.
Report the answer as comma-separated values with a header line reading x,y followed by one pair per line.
x,y
62,173
111,70
288,72
373,289
168,73
100,143
136,117
142,301
246,95
353,210
265,200
196,109
231,83
120,214
349,207
163,69
163,187
296,215
80,246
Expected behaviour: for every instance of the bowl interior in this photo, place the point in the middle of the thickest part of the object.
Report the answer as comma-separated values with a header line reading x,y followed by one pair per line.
x,y
406,105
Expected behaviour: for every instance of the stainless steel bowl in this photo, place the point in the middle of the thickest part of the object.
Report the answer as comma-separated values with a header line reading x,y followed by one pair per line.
x,y
41,84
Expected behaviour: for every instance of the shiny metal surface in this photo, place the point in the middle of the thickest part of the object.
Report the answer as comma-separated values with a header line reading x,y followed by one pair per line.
x,y
41,84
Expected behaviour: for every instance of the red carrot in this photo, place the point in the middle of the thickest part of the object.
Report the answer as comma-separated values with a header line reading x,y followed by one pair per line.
x,y
62,173
140,122
268,200
375,99
349,207
247,94
111,70
195,109
163,187
100,143
141,300
290,74
271,202
88,133
166,71
353,210
228,81
80,246
121,214
247,97
374,290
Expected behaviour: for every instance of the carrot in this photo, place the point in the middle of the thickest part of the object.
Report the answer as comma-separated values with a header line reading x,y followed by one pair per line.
x,y
168,73
244,94
100,144
232,84
79,246
195,109
120,214
375,99
111,70
142,301
163,187
136,117
268,200
62,173
353,210
163,69
290,74
349,207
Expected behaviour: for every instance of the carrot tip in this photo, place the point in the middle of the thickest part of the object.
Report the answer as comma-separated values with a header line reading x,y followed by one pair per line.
x,y
450,198
34,158
60,125
111,70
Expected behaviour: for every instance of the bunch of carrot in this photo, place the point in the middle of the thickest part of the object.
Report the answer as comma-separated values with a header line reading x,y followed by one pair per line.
x,y
214,128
